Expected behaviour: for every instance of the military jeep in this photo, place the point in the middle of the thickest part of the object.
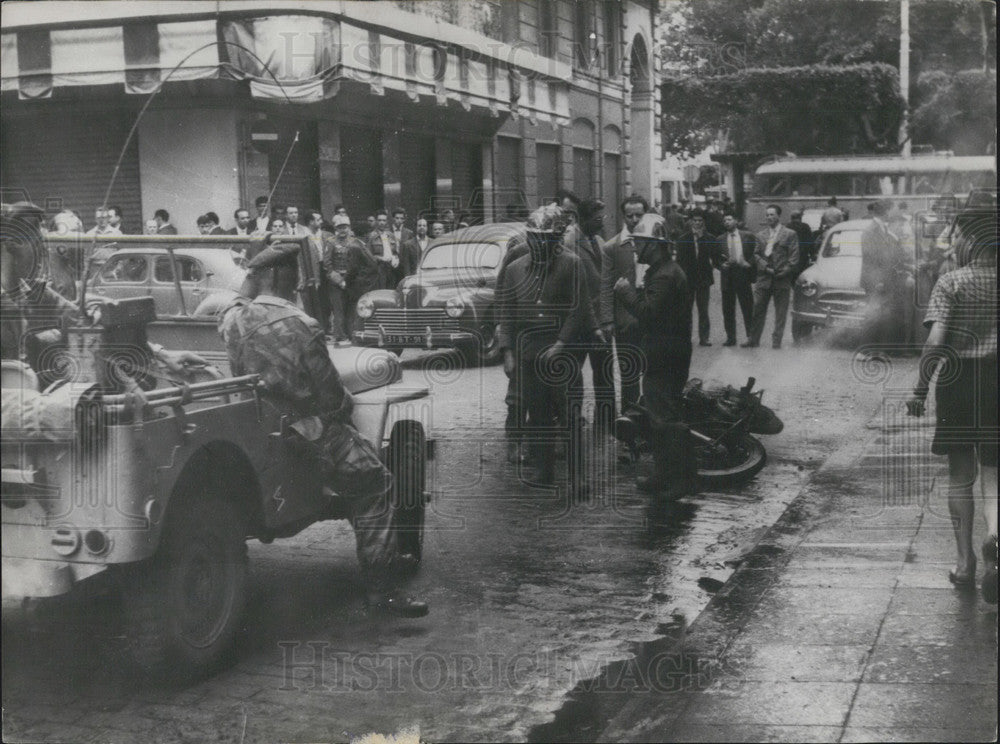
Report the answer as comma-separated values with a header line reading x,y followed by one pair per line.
x,y
161,491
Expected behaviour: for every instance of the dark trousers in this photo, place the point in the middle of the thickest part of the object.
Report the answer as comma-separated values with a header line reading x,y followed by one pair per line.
x,y
338,307
630,363
699,298
601,361
736,287
552,415
673,454
764,290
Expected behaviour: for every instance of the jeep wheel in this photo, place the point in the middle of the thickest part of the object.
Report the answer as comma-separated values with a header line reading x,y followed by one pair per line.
x,y
407,458
183,607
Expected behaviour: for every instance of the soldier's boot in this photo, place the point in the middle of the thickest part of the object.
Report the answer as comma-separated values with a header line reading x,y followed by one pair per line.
x,y
384,596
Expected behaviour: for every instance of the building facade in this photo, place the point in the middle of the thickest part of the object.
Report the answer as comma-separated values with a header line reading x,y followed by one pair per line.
x,y
426,104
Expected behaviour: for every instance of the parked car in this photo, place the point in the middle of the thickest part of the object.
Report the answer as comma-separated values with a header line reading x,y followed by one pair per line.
x,y
121,267
829,292
449,302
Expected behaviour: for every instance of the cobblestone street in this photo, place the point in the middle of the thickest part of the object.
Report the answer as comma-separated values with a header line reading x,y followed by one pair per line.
x,y
530,595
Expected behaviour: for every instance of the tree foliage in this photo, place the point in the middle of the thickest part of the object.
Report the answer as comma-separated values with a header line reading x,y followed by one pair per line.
x,y
734,39
809,110
958,111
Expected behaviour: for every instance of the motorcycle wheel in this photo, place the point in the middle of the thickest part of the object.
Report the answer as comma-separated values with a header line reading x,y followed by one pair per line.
x,y
732,462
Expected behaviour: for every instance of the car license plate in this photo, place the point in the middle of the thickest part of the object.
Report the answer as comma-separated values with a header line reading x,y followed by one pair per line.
x,y
403,339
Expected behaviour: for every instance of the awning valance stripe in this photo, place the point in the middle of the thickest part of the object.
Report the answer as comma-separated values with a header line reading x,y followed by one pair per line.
x,y
308,54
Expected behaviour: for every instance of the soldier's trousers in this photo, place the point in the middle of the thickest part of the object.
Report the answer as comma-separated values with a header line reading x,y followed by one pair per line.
x,y
352,469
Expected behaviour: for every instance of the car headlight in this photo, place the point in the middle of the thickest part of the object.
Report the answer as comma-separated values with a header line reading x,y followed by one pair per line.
x,y
807,288
454,307
366,308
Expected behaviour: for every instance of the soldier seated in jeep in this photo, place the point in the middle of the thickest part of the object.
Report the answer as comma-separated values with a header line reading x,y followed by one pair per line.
x,y
266,334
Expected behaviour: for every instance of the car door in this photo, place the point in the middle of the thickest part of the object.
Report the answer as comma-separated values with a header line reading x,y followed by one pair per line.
x,y
124,275
193,281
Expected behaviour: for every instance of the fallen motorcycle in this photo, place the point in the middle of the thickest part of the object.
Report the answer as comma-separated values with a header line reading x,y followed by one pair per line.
x,y
722,422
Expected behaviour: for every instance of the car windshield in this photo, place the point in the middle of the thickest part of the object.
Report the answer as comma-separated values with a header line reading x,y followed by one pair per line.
x,y
843,243
462,256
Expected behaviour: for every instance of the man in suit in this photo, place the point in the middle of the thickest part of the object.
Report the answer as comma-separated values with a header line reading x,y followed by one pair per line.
x,y
242,227
163,226
736,272
413,249
319,246
696,250
399,230
805,236
292,226
886,275
620,263
262,222
776,258
583,239
383,246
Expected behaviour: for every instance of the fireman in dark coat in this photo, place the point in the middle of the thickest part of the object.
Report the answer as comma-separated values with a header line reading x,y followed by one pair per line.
x,y
544,308
663,308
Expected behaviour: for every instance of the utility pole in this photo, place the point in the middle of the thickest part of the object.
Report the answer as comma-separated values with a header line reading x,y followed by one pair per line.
x,y
904,74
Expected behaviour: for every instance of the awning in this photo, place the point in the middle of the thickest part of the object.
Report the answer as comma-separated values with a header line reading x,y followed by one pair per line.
x,y
288,58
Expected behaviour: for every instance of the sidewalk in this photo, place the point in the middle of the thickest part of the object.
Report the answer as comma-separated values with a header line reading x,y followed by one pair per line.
x,y
841,625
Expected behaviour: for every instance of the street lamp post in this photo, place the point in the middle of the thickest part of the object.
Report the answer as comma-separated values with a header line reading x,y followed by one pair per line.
x,y
904,74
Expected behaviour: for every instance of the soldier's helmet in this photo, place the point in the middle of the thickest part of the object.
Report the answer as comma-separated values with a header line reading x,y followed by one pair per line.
x,y
549,220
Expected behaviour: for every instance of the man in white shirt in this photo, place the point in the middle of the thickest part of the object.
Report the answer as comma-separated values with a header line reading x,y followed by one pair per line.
x,y
776,258
383,246
243,227
399,230
620,262
413,249
736,273
102,216
262,221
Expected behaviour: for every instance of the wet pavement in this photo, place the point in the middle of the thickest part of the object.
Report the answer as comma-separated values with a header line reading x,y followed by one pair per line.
x,y
841,625
541,607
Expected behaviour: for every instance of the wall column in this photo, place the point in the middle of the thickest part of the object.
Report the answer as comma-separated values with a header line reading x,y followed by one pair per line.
x,y
331,185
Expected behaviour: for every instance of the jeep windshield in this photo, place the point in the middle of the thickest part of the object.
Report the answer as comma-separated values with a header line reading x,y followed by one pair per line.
x,y
462,256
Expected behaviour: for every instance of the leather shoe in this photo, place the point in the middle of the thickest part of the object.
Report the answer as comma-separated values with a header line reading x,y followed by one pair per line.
x,y
729,342
704,343
749,345
399,606
776,345
964,580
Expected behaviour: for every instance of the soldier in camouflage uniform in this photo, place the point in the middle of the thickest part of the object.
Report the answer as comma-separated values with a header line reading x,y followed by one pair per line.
x,y
266,334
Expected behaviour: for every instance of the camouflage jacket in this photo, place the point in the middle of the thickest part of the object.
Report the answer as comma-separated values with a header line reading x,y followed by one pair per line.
x,y
271,337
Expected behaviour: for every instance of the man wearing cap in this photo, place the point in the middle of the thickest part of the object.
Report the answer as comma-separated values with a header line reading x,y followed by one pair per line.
x,y
268,335
341,256
663,310
544,307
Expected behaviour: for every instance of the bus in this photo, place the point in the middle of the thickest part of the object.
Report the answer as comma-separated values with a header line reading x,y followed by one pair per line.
x,y
805,183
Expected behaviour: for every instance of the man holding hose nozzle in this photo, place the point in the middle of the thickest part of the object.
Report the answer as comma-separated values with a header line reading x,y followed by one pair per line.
x,y
662,307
